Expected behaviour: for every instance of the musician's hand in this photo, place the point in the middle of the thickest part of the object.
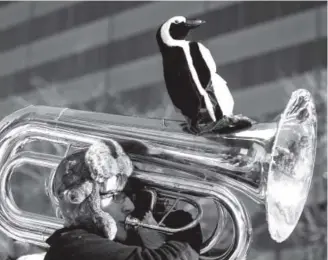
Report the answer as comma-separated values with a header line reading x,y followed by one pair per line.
x,y
149,219
151,238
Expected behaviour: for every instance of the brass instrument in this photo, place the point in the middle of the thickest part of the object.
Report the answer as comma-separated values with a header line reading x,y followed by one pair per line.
x,y
272,163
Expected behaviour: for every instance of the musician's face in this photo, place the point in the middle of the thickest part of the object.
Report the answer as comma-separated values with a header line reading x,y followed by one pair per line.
x,y
119,207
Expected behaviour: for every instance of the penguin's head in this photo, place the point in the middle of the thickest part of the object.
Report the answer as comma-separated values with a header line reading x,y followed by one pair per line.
x,y
177,28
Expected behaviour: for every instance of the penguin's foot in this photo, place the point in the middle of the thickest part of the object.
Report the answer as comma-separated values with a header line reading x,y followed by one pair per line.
x,y
194,127
191,126
194,130
228,124
240,119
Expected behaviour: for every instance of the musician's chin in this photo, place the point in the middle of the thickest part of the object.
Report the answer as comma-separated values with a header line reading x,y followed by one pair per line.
x,y
122,232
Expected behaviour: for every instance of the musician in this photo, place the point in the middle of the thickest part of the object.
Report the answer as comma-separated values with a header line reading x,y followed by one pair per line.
x,y
89,185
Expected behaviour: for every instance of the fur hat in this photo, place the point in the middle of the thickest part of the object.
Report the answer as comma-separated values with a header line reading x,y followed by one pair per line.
x,y
82,176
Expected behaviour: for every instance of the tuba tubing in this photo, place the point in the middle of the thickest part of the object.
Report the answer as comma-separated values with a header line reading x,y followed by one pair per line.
x,y
27,126
259,162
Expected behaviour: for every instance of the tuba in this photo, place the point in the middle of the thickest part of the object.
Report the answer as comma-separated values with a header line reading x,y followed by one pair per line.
x,y
271,163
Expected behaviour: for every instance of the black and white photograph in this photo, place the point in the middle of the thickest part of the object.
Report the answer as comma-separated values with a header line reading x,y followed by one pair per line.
x,y
163,130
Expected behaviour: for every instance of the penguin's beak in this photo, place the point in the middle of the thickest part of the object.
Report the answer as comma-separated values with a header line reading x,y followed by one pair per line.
x,y
194,23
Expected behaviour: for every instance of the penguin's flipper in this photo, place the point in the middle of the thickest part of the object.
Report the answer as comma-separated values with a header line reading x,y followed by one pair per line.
x,y
207,56
223,95
221,91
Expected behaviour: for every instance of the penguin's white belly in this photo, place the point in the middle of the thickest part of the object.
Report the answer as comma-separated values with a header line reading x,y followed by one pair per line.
x,y
223,94
38,256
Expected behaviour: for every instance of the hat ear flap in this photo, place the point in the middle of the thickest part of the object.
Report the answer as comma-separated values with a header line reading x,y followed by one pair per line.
x,y
78,194
109,225
118,150
125,165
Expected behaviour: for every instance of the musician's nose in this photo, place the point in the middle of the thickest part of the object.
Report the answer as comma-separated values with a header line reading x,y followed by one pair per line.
x,y
128,205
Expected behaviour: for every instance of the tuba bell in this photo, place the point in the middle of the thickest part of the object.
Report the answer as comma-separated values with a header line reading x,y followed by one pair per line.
x,y
272,163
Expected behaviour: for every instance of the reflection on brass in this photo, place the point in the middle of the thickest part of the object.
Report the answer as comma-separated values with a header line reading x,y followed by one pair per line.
x,y
272,163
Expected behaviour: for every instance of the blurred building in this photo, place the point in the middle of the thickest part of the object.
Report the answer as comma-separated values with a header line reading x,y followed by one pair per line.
x,y
103,56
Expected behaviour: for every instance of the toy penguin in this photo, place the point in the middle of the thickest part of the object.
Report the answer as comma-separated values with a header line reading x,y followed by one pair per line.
x,y
194,87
